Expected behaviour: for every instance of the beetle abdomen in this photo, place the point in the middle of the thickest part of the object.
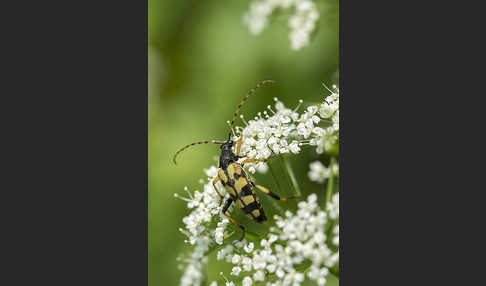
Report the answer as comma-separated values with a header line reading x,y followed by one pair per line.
x,y
238,185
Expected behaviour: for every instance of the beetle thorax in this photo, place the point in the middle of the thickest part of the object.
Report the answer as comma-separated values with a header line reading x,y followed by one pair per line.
x,y
227,156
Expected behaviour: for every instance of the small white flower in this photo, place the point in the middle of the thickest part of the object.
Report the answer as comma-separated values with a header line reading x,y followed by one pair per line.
x,y
262,167
236,259
293,277
271,268
247,281
318,172
304,130
264,243
246,263
294,147
259,276
235,271
326,110
258,262
312,110
211,172
219,231
272,238
249,248
318,274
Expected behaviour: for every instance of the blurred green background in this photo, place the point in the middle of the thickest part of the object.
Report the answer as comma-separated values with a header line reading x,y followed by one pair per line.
x,y
202,61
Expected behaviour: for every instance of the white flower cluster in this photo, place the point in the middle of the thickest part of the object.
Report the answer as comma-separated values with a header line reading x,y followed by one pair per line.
x,y
206,208
301,24
193,274
319,173
285,130
299,239
329,110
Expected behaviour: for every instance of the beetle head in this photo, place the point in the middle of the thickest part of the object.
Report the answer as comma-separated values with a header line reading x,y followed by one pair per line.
x,y
227,145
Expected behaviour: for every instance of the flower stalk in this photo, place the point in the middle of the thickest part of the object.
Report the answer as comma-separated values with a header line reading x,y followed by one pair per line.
x,y
277,182
291,175
330,183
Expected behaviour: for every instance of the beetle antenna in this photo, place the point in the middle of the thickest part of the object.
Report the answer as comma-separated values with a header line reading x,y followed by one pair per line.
x,y
250,92
192,144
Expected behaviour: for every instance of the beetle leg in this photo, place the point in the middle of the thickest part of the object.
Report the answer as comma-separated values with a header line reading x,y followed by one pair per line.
x,y
272,194
252,161
225,208
238,145
214,185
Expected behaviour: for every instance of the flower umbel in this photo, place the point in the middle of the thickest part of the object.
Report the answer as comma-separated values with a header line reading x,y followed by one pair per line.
x,y
297,239
301,24
205,209
284,130
300,245
319,173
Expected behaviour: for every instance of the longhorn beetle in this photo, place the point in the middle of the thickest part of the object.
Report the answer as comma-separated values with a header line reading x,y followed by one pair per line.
x,y
234,179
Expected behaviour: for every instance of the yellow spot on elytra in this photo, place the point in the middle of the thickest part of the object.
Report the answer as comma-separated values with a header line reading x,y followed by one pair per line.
x,y
222,176
240,183
230,190
248,199
231,170
237,169
255,213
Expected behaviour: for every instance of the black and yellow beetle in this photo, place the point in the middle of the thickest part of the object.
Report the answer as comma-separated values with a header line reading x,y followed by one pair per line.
x,y
233,177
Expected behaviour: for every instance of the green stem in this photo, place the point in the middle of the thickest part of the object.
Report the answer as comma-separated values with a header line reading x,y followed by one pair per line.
x,y
329,227
212,248
330,188
290,173
277,182
278,187
304,267
230,234
287,176
330,183
253,236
